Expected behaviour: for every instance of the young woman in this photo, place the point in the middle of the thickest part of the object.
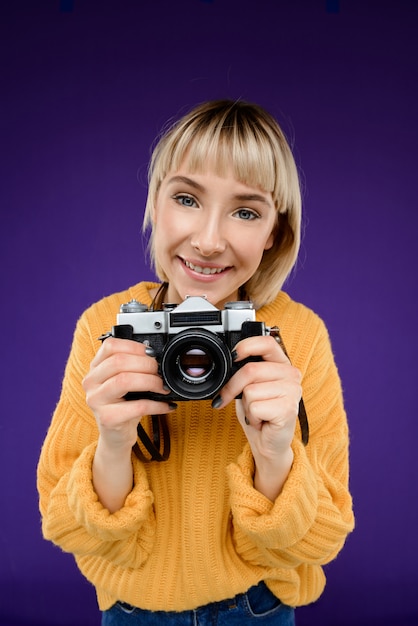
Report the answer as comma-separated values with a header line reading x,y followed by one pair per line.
x,y
236,524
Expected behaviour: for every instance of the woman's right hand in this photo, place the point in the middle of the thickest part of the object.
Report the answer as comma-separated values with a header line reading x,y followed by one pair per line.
x,y
121,366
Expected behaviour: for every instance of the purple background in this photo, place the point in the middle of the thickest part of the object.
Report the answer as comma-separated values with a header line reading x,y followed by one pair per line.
x,y
86,86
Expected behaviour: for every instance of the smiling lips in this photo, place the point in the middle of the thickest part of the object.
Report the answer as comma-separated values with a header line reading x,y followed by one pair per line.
x,y
203,270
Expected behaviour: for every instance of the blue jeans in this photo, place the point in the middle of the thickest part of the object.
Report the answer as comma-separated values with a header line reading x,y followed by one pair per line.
x,y
257,606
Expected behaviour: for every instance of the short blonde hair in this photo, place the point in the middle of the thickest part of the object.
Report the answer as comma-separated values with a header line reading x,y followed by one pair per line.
x,y
246,138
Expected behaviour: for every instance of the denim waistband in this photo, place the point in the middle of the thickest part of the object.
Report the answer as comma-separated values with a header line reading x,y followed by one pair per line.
x,y
258,604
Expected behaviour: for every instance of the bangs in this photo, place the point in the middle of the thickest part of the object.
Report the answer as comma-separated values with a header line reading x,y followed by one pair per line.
x,y
229,142
227,152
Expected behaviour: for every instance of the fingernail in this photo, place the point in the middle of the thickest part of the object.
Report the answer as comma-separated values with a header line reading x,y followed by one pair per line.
x,y
149,351
172,405
234,354
246,420
216,402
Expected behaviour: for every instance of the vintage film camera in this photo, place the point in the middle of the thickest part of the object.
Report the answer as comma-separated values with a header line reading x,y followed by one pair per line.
x,y
192,342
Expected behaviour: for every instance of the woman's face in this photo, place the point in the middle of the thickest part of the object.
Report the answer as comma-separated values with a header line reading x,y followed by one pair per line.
x,y
210,233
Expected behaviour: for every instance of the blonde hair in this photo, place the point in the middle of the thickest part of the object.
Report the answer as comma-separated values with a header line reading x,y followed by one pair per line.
x,y
247,138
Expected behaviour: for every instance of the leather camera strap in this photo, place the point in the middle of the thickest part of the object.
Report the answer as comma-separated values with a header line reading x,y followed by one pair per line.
x,y
159,427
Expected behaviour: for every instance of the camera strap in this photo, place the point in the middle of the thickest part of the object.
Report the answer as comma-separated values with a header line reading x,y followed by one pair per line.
x,y
303,421
302,415
159,431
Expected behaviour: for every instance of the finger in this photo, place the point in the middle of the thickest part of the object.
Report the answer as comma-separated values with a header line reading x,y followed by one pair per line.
x,y
116,415
113,345
254,373
120,362
241,414
264,346
279,390
278,411
114,389
244,416
271,401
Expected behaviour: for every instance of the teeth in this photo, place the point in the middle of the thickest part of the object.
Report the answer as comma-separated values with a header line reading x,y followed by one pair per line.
x,y
203,270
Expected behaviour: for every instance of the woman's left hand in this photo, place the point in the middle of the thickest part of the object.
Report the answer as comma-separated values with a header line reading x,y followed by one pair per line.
x,y
271,392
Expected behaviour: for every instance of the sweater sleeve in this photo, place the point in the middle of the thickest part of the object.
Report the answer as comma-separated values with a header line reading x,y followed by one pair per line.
x,y
309,521
72,515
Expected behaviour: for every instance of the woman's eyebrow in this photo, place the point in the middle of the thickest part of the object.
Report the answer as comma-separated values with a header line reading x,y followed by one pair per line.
x,y
186,181
251,197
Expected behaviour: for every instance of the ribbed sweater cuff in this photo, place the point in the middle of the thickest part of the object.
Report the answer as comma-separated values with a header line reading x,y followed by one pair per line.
x,y
93,516
279,524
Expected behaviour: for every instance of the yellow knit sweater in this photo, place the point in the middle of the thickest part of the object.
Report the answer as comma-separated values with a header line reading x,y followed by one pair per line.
x,y
194,530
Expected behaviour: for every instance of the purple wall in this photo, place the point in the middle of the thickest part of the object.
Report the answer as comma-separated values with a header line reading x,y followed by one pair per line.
x,y
86,86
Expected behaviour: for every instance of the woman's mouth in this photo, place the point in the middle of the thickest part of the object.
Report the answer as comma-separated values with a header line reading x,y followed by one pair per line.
x,y
206,270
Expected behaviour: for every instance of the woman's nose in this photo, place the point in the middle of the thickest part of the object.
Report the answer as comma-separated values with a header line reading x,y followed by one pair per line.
x,y
209,239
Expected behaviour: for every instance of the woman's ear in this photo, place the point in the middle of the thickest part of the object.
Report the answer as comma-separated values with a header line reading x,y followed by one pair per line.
x,y
270,240
272,237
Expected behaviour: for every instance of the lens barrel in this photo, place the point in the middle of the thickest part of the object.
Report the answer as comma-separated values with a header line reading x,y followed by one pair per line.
x,y
195,364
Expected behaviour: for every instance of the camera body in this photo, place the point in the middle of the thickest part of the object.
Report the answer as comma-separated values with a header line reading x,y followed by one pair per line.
x,y
192,342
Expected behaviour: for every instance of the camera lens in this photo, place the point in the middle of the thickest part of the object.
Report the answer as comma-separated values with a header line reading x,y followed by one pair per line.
x,y
196,364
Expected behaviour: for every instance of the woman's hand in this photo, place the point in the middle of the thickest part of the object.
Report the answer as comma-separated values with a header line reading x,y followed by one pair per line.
x,y
119,366
271,392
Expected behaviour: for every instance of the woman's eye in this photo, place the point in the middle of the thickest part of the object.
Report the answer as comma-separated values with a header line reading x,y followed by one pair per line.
x,y
184,200
247,214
